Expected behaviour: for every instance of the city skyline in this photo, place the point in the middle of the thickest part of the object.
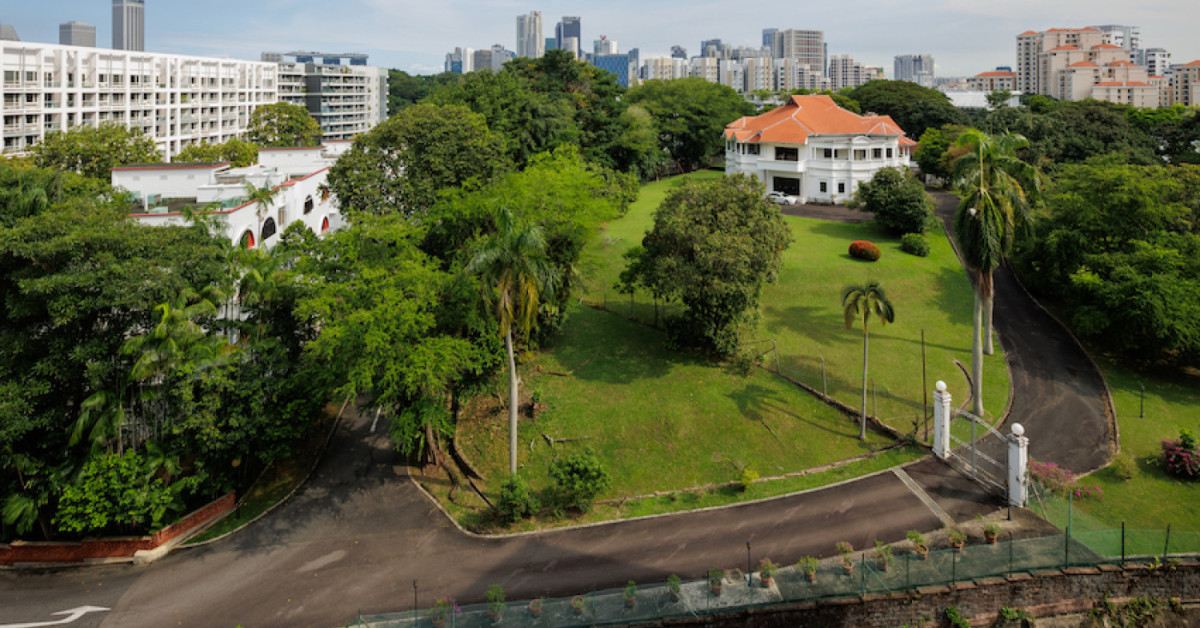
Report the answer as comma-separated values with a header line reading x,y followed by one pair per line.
x,y
964,38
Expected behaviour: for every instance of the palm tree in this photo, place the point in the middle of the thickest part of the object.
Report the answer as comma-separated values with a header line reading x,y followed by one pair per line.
x,y
998,191
263,197
514,272
866,299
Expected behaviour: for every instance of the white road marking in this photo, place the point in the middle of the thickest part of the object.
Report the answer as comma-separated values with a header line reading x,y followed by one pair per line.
x,y
71,616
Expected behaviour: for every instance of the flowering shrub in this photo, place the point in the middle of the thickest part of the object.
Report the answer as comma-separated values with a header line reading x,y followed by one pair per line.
x,y
861,249
1179,457
1062,481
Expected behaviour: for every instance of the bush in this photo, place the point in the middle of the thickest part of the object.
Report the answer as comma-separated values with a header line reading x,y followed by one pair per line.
x,y
1179,457
1061,481
746,478
898,201
578,478
915,244
861,249
516,501
1124,467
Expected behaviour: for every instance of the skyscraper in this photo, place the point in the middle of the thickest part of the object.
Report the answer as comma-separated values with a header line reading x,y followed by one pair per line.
x,y
604,46
8,33
678,52
808,47
129,25
530,41
711,48
914,68
77,34
569,28
768,34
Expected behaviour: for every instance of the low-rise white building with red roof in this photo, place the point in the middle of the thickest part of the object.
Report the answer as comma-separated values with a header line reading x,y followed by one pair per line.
x,y
813,149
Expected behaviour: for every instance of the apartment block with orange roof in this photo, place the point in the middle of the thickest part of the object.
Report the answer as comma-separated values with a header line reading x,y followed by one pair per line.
x,y
813,149
1081,63
999,78
1185,84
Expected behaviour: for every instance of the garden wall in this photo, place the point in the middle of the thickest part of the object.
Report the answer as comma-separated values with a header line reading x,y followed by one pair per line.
x,y
1042,594
114,547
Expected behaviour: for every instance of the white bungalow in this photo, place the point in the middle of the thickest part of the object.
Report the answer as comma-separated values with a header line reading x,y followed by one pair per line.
x,y
296,175
812,149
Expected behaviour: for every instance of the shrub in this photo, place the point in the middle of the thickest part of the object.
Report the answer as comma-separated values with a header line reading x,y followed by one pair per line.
x,y
1061,481
1124,467
861,249
915,244
1179,457
747,477
578,478
516,501
495,598
898,201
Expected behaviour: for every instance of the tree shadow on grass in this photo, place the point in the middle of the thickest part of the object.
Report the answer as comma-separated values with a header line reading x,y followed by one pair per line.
x,y
603,347
754,402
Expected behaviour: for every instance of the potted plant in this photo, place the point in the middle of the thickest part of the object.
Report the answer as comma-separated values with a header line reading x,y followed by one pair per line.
x,y
577,604
495,601
845,549
535,607
919,544
673,584
442,609
883,555
991,531
715,576
630,593
809,565
766,571
957,537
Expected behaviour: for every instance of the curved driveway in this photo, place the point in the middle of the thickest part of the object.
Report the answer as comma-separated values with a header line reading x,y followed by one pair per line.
x,y
359,532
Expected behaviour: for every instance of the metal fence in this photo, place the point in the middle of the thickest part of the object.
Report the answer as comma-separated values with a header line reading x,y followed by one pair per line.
x,y
904,572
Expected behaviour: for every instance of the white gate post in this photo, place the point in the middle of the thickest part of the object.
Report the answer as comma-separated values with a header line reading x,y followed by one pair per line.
x,y
1018,461
941,421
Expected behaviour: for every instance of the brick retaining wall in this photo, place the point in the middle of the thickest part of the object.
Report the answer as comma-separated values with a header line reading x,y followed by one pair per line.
x,y
1042,594
113,547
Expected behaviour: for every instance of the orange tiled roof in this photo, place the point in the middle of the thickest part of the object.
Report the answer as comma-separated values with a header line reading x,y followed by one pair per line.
x,y
1063,48
1196,62
1119,64
1083,64
1106,47
1028,33
994,74
803,116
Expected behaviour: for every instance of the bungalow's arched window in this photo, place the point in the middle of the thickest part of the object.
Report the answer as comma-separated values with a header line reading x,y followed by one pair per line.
x,y
308,205
268,229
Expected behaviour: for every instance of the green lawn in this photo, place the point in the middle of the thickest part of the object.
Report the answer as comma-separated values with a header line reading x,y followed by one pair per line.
x,y
667,422
802,312
1152,499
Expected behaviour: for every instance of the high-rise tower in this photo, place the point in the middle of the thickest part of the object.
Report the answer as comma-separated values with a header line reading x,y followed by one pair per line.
x,y
569,31
530,41
129,25
77,34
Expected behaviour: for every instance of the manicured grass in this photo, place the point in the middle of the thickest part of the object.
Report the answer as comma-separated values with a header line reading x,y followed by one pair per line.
x,y
802,312
662,420
1152,498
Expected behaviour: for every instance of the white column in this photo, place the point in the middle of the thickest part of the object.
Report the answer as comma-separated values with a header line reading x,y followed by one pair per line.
x,y
1018,461
941,421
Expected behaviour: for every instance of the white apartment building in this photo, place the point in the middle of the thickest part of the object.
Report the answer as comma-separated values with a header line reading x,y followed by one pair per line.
x,y
345,100
1185,84
296,175
844,72
992,81
917,69
813,149
176,100
664,68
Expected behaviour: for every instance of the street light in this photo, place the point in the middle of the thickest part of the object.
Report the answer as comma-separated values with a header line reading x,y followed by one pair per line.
x,y
415,607
1142,403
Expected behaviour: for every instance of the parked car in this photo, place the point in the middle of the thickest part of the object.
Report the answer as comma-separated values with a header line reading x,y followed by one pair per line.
x,y
781,198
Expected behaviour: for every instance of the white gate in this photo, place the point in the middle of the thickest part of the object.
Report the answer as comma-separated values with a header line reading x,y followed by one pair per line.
x,y
979,451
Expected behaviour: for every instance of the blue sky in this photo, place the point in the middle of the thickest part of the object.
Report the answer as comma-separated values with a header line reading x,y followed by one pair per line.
x,y
965,36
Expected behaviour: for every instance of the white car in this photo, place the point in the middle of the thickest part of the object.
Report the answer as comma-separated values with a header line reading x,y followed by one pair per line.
x,y
781,198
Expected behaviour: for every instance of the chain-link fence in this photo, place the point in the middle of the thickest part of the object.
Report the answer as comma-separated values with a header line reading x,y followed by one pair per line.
x,y
833,579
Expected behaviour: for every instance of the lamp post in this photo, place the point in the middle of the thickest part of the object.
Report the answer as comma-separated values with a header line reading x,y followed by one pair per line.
x,y
748,572
1142,402
415,607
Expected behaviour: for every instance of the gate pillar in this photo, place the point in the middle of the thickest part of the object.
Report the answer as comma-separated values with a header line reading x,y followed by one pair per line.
x,y
1018,462
941,420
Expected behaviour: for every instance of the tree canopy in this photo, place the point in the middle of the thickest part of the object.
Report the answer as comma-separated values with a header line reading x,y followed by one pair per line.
x,y
283,125
713,246
690,115
94,151
238,153
913,107
897,199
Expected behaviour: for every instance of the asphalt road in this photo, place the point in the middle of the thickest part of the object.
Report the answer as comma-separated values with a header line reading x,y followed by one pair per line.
x,y
356,536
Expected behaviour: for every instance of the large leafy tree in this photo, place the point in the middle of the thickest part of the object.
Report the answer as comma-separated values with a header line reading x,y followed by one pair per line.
x,y
713,246
237,152
405,90
898,200
690,115
1118,246
913,107
863,301
515,272
402,165
934,154
94,151
376,299
283,125
997,191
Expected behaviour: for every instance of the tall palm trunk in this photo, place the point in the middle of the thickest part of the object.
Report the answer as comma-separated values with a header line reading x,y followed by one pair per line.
x,y
512,404
862,428
989,299
977,354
